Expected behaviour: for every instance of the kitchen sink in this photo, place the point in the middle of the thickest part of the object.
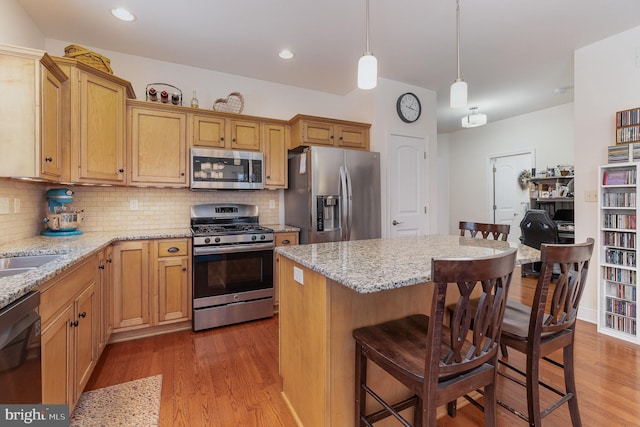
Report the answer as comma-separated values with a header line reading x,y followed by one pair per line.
x,y
22,264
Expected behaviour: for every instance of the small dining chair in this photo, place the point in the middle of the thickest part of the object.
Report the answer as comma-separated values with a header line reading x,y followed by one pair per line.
x,y
486,230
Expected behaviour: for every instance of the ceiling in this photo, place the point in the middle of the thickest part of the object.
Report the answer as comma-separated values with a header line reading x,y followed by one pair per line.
x,y
514,53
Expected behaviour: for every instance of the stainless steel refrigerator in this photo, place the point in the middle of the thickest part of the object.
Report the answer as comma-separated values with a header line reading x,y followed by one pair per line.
x,y
333,195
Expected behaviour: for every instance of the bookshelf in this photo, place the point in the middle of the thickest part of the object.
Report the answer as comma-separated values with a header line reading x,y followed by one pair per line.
x,y
628,126
618,250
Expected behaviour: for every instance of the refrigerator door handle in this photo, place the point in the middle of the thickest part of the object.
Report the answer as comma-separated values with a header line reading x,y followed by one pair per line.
x,y
344,201
349,204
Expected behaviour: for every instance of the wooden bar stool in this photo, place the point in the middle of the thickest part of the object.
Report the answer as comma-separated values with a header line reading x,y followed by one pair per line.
x,y
536,333
436,363
497,231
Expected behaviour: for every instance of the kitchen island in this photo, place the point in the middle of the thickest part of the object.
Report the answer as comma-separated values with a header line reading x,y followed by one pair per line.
x,y
329,289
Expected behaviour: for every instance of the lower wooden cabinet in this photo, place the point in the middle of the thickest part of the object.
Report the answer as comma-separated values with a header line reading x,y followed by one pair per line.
x,y
281,239
151,283
68,307
131,297
104,285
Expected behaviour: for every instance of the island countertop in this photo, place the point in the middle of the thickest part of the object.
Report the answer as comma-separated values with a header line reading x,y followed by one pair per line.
x,y
367,266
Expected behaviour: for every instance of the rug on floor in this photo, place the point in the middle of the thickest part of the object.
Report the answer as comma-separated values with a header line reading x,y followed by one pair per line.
x,y
134,403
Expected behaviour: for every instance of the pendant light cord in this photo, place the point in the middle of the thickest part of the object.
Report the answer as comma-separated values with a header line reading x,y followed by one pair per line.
x,y
368,52
457,34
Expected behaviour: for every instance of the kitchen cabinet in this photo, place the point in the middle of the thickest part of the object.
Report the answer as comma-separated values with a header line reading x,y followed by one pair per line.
x,y
104,288
276,140
157,145
32,124
218,131
281,239
96,129
173,267
309,130
131,284
68,308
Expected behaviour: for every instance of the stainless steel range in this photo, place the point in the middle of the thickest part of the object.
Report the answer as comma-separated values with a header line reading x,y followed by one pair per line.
x,y
232,265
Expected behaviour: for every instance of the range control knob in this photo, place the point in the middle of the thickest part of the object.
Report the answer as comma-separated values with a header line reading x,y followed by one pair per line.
x,y
217,240
263,237
207,240
253,237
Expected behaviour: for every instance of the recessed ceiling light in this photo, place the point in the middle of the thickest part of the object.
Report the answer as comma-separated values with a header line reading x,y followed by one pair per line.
x,y
123,14
285,54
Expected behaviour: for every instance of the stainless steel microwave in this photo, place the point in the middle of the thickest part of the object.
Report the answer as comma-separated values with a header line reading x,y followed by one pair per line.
x,y
213,169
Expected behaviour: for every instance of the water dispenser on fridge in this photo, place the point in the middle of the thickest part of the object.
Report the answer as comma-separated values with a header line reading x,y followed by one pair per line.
x,y
328,213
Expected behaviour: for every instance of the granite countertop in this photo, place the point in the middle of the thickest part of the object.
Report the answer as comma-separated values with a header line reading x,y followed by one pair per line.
x,y
72,249
375,265
281,228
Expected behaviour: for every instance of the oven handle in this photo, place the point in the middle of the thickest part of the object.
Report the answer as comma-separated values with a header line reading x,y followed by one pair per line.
x,y
210,250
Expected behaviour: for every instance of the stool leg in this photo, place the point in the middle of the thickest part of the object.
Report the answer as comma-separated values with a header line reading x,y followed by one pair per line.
x,y
360,380
570,384
533,389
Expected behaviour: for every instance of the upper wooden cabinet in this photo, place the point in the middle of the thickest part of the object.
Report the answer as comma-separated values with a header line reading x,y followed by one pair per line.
x,y
97,123
31,121
276,140
310,130
157,145
217,131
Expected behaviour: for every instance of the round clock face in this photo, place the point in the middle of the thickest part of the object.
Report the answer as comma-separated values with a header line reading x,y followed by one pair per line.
x,y
408,107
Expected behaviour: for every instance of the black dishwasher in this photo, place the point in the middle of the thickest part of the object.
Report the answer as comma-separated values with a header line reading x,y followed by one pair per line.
x,y
20,360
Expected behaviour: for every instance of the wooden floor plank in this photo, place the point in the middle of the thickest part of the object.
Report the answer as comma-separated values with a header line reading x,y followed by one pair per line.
x,y
229,376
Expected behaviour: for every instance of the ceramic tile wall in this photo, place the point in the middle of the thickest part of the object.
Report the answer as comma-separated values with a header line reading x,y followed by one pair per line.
x,y
114,208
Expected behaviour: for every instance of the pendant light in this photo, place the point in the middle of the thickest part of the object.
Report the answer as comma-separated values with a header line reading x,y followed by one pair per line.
x,y
368,64
474,119
458,94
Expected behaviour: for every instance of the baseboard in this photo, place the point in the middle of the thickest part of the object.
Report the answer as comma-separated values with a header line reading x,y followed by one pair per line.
x,y
149,332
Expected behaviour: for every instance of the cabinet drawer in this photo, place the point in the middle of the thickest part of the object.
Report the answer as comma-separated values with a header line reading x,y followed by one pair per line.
x,y
177,248
286,239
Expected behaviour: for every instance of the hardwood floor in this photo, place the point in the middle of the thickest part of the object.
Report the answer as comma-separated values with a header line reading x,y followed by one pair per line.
x,y
228,377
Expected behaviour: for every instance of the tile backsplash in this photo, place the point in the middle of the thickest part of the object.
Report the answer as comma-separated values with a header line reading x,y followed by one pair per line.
x,y
22,206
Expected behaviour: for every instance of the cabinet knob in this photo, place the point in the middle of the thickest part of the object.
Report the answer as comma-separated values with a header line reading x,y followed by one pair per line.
x,y
101,267
184,268
83,315
268,176
48,159
222,138
286,241
109,260
181,173
74,323
121,170
173,249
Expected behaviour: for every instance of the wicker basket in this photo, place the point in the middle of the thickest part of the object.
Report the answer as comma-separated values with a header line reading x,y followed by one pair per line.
x,y
88,57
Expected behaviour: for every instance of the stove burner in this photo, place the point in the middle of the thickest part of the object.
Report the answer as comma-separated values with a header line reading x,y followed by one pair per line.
x,y
217,229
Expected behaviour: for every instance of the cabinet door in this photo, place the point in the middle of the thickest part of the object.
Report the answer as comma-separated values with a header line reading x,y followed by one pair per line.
x,y
157,147
317,133
208,131
99,149
57,360
86,337
131,297
352,137
245,135
51,142
275,156
105,298
173,289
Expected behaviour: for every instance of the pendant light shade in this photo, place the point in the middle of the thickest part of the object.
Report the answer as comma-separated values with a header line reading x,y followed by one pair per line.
x,y
458,93
474,119
367,71
368,64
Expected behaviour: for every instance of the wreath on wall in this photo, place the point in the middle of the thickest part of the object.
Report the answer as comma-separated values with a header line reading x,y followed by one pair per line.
x,y
524,178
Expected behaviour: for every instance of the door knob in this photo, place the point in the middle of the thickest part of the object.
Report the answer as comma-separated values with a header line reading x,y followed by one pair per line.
x,y
396,222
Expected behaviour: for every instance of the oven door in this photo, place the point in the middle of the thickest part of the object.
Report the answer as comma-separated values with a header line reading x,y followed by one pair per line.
x,y
220,275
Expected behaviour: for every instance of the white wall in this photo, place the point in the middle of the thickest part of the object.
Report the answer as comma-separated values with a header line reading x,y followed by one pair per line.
x,y
606,79
549,132
17,28
444,198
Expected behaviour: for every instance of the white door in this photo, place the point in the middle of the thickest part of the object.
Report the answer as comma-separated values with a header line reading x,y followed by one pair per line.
x,y
407,185
510,200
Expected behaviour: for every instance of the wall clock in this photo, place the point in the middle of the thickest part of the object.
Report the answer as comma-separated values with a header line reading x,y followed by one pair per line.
x,y
408,107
